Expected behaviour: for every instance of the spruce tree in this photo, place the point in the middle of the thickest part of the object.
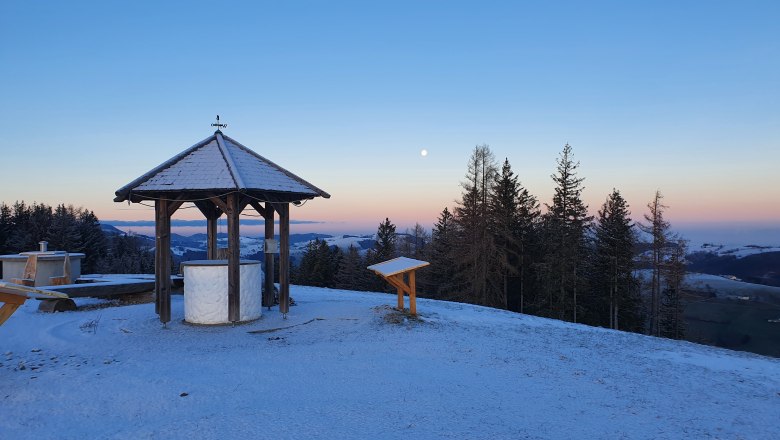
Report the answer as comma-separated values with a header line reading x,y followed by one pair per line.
x,y
441,254
93,241
318,265
303,273
385,246
40,221
21,238
6,227
615,301
384,249
127,254
565,228
505,228
528,244
352,274
63,233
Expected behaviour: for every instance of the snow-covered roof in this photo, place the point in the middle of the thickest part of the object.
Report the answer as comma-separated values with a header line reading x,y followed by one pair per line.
x,y
219,163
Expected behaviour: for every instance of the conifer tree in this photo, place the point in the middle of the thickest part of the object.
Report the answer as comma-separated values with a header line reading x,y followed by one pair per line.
x,y
615,301
21,236
386,240
659,231
505,228
565,227
671,321
352,273
40,222
127,254
528,242
93,241
475,244
318,265
384,249
63,231
6,227
414,242
442,271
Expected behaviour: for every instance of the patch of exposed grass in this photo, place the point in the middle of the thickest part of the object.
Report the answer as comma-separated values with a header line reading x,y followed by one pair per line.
x,y
393,316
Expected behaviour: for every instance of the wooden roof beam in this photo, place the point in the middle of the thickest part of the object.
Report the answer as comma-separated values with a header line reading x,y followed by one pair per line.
x,y
259,208
221,204
209,210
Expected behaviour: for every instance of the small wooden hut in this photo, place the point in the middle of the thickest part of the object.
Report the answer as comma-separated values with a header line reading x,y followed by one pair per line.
x,y
221,176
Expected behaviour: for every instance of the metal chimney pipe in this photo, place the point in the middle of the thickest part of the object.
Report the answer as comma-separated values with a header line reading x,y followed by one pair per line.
x,y
44,246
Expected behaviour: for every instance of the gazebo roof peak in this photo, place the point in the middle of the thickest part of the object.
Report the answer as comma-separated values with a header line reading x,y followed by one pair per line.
x,y
220,164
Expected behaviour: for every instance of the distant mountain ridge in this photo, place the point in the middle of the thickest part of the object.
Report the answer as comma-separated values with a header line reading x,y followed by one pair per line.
x,y
194,246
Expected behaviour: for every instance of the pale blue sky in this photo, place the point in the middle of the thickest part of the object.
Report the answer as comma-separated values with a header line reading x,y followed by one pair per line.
x,y
679,96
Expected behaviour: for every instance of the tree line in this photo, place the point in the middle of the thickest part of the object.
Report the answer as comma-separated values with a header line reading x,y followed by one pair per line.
x,y
498,248
71,229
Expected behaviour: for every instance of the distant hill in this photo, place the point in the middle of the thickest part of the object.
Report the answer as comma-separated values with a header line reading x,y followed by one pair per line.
x,y
732,314
761,268
110,230
194,246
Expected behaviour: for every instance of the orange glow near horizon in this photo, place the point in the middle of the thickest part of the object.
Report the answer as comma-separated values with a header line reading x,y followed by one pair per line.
x,y
340,216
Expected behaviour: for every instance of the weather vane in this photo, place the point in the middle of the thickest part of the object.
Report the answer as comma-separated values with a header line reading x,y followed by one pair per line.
x,y
218,125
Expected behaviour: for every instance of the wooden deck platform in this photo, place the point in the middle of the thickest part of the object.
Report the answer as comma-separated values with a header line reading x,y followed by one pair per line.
x,y
97,288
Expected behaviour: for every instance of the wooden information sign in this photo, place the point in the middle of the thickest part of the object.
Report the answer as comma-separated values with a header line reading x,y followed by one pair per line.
x,y
393,272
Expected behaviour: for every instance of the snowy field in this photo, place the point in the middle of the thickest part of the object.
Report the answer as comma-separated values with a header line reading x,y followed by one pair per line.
x,y
348,367
724,287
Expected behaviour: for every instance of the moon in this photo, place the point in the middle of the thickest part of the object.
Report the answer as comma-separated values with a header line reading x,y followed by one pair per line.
x,y
423,152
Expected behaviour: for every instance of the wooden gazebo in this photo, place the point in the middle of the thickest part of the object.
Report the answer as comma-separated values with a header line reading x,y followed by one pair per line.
x,y
221,176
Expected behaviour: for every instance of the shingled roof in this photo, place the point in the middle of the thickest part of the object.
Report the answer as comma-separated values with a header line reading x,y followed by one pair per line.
x,y
220,164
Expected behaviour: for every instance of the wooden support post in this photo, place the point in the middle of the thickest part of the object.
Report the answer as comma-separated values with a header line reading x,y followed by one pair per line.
x,y
162,262
6,311
234,258
212,214
157,259
400,298
284,258
211,238
412,294
268,294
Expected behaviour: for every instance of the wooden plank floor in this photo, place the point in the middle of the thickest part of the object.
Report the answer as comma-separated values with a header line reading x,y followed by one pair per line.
x,y
108,289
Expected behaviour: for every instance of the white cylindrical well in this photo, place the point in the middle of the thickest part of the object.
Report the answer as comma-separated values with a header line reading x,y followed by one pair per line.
x,y
206,291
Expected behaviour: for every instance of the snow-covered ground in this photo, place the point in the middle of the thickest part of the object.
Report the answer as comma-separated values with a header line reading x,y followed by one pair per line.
x,y
723,286
346,366
345,241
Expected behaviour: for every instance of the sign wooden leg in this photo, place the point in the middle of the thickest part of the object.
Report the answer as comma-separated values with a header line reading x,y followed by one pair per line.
x,y
412,294
12,302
